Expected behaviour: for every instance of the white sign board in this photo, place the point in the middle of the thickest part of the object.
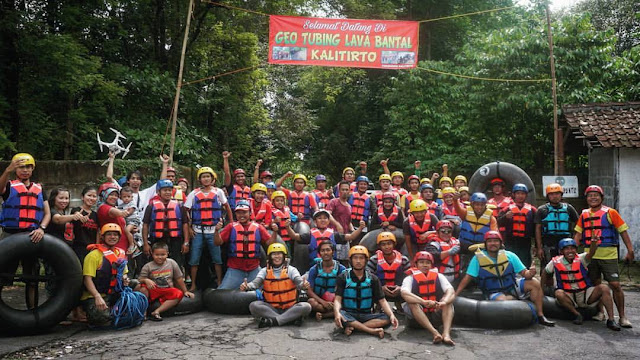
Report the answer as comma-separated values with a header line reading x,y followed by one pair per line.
x,y
569,185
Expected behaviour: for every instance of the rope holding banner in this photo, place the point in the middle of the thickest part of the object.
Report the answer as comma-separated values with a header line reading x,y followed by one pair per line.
x,y
481,78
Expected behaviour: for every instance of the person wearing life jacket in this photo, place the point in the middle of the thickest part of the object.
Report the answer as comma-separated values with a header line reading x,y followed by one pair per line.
x,y
349,175
445,249
390,266
177,193
604,225
167,221
477,220
553,223
459,181
24,209
261,177
302,203
261,207
501,275
388,216
499,202
385,186
244,238
206,204
574,289
465,196
413,183
271,188
361,203
416,227
322,281
235,186
428,298
517,220
282,217
321,193
357,291
280,283
449,211
444,182
397,179
184,185
100,275
427,193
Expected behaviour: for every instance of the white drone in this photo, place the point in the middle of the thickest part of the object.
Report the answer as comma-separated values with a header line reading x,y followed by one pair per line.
x,y
116,146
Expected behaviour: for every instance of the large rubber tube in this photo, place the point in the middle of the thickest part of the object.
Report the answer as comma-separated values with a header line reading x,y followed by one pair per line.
x,y
68,283
300,259
510,314
369,240
185,307
304,231
230,302
511,174
553,310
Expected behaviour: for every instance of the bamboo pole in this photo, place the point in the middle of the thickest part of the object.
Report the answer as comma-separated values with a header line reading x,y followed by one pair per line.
x,y
558,151
176,100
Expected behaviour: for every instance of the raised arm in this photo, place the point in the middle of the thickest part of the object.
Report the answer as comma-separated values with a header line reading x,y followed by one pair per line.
x,y
256,172
225,167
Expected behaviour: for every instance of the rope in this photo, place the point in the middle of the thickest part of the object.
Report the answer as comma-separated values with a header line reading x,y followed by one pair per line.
x,y
130,309
534,313
234,7
482,78
221,75
467,14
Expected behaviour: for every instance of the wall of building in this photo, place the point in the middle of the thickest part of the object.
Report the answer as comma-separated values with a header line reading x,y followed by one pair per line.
x,y
628,194
602,171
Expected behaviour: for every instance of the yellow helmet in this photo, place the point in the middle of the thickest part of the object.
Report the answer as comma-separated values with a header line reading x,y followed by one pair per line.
x,y
24,156
384,177
386,236
425,181
464,188
275,247
278,193
259,187
448,190
460,177
300,176
206,170
110,227
347,169
445,178
418,205
397,173
358,249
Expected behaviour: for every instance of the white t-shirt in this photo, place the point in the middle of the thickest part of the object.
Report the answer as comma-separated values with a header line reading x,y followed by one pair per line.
x,y
222,198
407,283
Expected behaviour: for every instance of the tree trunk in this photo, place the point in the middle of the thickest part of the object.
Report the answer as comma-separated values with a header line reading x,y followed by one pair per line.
x,y
9,64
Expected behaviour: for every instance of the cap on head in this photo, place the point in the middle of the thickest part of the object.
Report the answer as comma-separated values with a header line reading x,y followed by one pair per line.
x,y
397,173
444,223
554,188
426,186
464,188
278,193
321,177
237,172
492,234
444,179
497,181
300,176
171,169
448,190
388,195
461,177
187,181
265,174
347,169
321,212
425,181
271,185
413,177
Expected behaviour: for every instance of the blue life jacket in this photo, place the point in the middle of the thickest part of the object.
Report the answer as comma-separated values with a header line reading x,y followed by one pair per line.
x,y
317,237
323,281
238,193
24,208
598,225
357,296
206,210
245,243
473,228
556,222
495,275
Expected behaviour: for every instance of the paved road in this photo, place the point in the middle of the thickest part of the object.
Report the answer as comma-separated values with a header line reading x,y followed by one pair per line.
x,y
211,336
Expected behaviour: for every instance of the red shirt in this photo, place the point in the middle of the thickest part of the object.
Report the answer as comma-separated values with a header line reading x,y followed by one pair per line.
x,y
239,263
341,213
105,218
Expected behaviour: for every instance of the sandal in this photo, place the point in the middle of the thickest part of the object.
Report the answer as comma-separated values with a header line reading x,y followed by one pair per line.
x,y
155,317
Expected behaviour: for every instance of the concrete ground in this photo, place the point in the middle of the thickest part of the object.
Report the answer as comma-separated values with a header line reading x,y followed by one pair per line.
x,y
211,336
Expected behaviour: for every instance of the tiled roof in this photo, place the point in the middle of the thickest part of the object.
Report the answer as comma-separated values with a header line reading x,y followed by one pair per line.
x,y
605,124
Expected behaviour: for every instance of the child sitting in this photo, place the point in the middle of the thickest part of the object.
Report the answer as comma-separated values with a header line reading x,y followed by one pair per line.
x,y
162,279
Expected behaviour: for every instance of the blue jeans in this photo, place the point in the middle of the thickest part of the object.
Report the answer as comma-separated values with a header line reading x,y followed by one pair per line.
x,y
234,278
198,243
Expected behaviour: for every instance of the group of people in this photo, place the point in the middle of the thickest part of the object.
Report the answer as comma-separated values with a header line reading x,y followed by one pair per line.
x,y
453,239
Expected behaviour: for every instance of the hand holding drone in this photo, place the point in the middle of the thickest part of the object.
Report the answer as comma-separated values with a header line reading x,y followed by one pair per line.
x,y
116,146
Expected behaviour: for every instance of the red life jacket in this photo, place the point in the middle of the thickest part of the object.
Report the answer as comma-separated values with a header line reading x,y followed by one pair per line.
x,y
378,196
105,279
206,210
445,268
424,285
432,208
239,193
24,208
300,204
400,190
449,210
261,216
565,278
597,224
322,197
500,206
317,237
388,272
418,230
519,220
357,207
284,216
390,218
245,244
166,220
408,199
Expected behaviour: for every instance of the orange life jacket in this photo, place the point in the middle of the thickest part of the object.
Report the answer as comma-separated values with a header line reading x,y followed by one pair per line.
x,y
390,218
238,193
284,216
445,268
432,208
166,220
424,285
378,196
300,204
387,272
358,206
449,210
519,220
417,230
597,224
500,206
400,190
281,293
322,197
105,279
206,210
577,275
261,216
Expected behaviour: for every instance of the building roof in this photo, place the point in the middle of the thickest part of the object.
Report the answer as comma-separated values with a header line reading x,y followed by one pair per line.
x,y
611,125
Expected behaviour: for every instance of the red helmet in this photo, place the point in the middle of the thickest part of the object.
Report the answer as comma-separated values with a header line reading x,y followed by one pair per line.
x,y
237,172
388,195
172,169
497,181
594,188
422,255
492,235
185,180
265,174
413,177
444,223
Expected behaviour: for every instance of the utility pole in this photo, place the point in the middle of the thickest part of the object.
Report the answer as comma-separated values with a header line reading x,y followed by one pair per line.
x,y
179,83
558,141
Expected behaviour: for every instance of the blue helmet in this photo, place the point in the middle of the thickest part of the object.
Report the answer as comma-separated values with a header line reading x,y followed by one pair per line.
x,y
163,183
271,185
242,205
520,187
122,181
566,242
478,197
423,187
362,178
321,177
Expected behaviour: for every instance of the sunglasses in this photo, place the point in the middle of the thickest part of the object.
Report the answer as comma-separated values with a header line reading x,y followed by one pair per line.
x,y
445,231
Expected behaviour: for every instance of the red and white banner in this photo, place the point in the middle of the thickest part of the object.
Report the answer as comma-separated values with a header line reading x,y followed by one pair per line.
x,y
382,44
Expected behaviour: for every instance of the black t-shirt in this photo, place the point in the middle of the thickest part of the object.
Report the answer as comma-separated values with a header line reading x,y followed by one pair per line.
x,y
85,233
147,218
376,288
54,229
543,211
5,195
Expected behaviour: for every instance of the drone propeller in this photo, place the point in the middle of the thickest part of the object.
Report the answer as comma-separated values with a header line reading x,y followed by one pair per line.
x,y
126,150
